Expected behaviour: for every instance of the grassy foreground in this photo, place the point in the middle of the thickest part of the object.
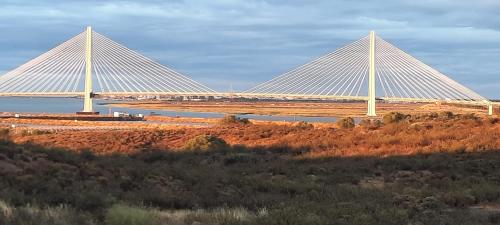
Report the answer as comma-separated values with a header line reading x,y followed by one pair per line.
x,y
225,184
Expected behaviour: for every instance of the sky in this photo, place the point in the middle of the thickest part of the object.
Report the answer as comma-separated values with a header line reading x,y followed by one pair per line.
x,y
239,44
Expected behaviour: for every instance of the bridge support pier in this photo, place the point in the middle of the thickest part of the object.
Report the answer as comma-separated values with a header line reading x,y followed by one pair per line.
x,y
87,102
371,78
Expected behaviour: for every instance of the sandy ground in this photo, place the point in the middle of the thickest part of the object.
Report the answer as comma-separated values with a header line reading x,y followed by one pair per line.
x,y
325,109
149,123
152,122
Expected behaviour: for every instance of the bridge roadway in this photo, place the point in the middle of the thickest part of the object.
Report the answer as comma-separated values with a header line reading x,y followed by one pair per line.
x,y
248,95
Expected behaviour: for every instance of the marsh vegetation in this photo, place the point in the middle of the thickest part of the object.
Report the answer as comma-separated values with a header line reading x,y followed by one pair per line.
x,y
427,169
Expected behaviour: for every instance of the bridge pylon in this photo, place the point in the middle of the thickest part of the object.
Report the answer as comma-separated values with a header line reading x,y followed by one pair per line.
x,y
371,77
87,102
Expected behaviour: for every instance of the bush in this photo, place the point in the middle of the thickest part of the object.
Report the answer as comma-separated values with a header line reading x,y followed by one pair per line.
x,y
393,117
470,116
433,115
155,155
87,155
4,132
458,199
346,122
304,125
486,192
232,119
239,158
206,143
446,115
91,201
127,215
34,132
370,123
493,120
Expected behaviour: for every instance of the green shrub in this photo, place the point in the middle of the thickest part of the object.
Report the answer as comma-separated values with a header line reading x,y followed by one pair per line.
x,y
393,117
127,215
232,119
206,143
346,122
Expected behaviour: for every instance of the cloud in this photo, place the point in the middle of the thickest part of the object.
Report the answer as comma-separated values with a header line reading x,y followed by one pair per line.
x,y
246,42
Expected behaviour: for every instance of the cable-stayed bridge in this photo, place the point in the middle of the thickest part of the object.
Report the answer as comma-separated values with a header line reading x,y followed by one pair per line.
x,y
368,69
91,63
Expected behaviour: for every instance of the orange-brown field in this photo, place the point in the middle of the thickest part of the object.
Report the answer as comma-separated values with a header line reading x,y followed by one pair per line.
x,y
322,139
299,108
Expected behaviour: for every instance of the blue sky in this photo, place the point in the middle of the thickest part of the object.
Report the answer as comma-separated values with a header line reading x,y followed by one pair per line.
x,y
243,43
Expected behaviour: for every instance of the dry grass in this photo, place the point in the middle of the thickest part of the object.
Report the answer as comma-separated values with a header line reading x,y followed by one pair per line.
x,y
411,136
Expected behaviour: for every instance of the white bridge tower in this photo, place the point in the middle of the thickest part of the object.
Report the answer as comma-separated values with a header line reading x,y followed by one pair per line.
x,y
87,103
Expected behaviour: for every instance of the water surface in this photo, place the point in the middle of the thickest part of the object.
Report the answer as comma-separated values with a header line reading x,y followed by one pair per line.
x,y
72,105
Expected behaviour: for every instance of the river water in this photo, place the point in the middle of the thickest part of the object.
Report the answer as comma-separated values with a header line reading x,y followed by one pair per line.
x,y
72,105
